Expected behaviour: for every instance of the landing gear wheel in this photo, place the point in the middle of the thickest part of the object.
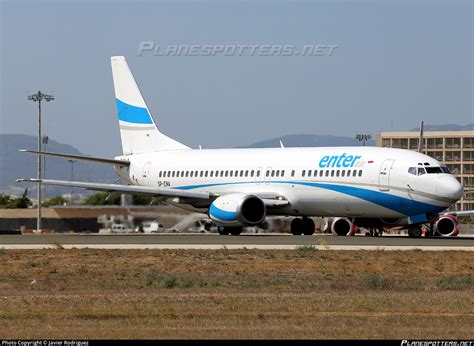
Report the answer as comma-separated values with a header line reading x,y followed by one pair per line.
x,y
223,230
414,232
308,226
229,230
297,226
235,231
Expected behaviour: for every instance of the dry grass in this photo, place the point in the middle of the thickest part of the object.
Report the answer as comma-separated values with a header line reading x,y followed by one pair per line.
x,y
235,294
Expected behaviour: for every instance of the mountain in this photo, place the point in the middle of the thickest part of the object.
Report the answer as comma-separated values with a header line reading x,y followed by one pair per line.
x,y
15,164
304,140
447,127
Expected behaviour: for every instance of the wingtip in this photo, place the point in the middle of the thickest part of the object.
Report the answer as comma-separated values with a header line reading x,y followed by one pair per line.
x,y
30,180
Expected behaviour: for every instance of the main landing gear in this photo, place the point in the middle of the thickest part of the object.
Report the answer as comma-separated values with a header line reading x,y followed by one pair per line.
x,y
229,230
415,231
302,226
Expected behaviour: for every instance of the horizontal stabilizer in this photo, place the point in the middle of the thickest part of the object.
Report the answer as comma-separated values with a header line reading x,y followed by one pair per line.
x,y
79,157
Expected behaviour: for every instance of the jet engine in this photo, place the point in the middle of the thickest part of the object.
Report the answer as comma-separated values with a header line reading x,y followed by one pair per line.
x,y
447,226
236,210
343,226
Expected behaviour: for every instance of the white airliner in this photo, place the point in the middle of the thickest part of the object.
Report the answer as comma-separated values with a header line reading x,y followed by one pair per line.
x,y
357,186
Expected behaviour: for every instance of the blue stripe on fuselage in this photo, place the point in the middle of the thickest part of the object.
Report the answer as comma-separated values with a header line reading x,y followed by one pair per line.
x,y
133,114
399,204
222,214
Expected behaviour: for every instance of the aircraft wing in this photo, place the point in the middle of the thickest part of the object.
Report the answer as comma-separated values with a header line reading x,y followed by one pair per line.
x,y
202,198
465,213
131,189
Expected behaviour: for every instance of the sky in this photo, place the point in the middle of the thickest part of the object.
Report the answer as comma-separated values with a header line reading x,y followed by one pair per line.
x,y
395,63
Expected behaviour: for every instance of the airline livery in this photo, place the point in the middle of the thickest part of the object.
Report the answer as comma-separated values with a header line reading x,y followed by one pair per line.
x,y
366,187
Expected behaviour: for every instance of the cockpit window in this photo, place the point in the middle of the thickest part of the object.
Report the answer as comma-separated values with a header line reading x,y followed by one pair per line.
x,y
445,170
421,171
434,170
412,170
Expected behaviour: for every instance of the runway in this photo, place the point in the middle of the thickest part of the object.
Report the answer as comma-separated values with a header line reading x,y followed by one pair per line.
x,y
213,241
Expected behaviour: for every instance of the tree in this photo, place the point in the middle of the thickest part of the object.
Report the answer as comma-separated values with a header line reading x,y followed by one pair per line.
x,y
9,202
103,198
141,200
58,200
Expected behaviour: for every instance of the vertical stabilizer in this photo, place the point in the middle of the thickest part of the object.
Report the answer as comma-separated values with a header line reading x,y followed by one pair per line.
x,y
138,130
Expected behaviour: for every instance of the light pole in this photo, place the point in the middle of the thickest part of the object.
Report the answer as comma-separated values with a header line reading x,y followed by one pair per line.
x,y
45,141
38,97
72,178
363,138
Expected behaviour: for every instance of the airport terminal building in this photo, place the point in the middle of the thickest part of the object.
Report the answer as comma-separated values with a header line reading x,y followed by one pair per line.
x,y
453,148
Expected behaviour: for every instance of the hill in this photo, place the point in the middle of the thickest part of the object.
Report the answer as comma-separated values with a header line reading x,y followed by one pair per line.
x,y
15,164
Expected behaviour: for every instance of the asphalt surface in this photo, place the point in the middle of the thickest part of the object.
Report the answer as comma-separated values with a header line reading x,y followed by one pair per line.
x,y
242,240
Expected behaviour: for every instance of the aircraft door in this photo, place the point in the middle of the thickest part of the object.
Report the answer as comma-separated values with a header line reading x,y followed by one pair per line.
x,y
259,175
146,169
267,176
384,175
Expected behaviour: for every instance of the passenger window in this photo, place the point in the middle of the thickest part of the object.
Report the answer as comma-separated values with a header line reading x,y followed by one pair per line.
x,y
321,173
354,173
293,173
230,173
268,173
343,173
273,173
337,173
226,173
412,170
182,174
258,173
159,174
246,173
309,173
206,173
327,173
241,173
282,173
315,173
251,173
303,173
332,173
277,173
360,173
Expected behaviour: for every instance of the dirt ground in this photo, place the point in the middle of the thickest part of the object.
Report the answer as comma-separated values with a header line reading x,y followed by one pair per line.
x,y
232,294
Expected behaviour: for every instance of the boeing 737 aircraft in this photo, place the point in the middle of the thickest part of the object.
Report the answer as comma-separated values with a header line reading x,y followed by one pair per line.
x,y
358,186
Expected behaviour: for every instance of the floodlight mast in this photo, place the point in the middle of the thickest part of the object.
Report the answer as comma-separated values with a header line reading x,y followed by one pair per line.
x,y
38,97
363,138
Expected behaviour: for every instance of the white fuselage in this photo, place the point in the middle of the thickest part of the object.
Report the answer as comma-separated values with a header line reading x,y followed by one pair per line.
x,y
332,181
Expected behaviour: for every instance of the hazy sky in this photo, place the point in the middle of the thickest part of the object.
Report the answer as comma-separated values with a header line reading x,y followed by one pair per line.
x,y
396,62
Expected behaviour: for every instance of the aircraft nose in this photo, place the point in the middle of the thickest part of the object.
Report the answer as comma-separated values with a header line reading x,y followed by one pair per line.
x,y
448,186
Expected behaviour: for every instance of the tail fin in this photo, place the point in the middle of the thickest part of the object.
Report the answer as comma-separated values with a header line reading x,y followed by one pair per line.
x,y
137,129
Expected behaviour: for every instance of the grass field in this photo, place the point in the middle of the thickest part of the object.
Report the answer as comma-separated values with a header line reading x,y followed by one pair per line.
x,y
302,293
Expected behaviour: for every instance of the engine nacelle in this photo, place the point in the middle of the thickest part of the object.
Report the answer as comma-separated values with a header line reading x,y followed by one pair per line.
x,y
447,226
343,226
237,210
